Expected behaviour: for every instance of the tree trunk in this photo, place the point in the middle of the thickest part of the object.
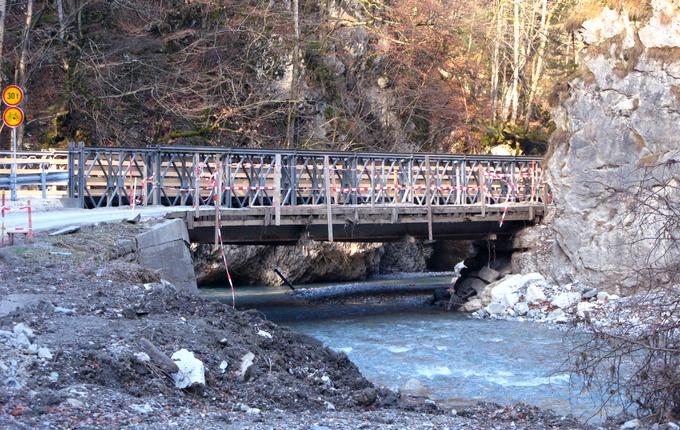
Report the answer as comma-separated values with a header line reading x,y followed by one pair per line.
x,y
20,73
60,14
515,61
292,108
495,64
537,70
3,10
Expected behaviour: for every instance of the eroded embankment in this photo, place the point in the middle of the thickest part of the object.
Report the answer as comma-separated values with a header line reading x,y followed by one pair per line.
x,y
75,310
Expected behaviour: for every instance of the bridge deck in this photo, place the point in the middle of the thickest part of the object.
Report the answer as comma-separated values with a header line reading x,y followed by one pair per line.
x,y
357,223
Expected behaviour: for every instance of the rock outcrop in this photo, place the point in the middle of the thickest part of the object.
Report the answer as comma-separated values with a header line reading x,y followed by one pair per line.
x,y
310,261
620,117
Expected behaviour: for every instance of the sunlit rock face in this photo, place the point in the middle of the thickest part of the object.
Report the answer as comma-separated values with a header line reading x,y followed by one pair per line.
x,y
621,117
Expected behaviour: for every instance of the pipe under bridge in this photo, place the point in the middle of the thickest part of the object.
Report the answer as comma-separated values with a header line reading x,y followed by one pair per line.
x,y
278,196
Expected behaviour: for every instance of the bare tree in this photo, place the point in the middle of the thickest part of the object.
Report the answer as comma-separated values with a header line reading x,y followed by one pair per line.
x,y
20,71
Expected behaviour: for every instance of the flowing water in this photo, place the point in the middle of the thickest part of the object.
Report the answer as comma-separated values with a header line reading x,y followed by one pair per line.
x,y
459,360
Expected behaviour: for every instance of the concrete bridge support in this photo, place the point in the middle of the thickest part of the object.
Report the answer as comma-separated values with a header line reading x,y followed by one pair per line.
x,y
165,248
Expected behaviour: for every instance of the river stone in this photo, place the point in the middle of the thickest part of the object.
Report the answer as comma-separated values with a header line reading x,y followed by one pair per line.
x,y
496,308
590,293
534,294
521,308
414,387
472,305
558,316
566,300
583,309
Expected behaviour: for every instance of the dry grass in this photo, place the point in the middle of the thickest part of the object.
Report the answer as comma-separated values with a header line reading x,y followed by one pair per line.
x,y
637,10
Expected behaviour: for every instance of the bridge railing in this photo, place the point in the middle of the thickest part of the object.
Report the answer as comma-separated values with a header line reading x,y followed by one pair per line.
x,y
44,173
241,178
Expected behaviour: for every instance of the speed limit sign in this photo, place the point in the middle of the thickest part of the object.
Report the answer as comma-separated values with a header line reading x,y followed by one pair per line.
x,y
13,95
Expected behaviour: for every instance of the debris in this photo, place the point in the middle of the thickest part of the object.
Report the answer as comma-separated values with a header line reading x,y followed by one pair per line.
x,y
61,253
142,357
366,397
246,363
144,408
74,403
247,409
158,358
53,376
66,230
223,366
65,311
264,334
191,370
632,424
22,328
134,220
44,353
583,309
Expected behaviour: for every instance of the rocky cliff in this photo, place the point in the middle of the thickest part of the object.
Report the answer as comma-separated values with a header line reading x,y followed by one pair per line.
x,y
616,123
310,261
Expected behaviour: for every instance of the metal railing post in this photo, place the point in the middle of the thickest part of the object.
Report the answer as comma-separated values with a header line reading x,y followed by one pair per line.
x,y
71,171
81,174
43,180
157,177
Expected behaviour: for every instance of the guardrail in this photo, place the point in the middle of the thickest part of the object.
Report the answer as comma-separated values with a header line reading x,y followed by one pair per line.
x,y
43,172
240,178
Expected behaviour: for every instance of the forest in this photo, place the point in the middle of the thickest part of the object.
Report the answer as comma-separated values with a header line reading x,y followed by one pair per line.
x,y
404,75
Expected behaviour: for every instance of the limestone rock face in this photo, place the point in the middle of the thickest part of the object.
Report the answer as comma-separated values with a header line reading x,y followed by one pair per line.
x,y
622,116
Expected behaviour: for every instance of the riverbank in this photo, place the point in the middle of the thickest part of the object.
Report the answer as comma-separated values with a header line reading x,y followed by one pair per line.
x,y
73,314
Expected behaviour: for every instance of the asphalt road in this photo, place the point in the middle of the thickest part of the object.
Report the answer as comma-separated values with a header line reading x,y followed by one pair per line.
x,y
59,218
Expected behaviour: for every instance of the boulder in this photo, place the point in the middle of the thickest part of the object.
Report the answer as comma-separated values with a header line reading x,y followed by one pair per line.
x,y
589,293
191,370
521,309
488,275
495,308
472,305
558,316
414,387
534,294
566,300
583,309
468,285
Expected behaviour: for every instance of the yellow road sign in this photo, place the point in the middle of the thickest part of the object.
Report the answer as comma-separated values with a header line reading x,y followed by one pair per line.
x,y
13,117
13,95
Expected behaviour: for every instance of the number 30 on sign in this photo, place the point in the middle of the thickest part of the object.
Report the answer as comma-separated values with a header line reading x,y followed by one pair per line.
x,y
13,95
13,117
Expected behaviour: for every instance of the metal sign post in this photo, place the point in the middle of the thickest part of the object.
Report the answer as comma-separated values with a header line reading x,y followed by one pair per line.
x,y
13,117
13,172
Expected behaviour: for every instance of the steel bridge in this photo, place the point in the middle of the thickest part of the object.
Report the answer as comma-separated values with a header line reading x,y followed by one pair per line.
x,y
279,196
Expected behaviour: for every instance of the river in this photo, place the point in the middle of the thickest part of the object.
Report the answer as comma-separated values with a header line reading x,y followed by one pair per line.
x,y
459,360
